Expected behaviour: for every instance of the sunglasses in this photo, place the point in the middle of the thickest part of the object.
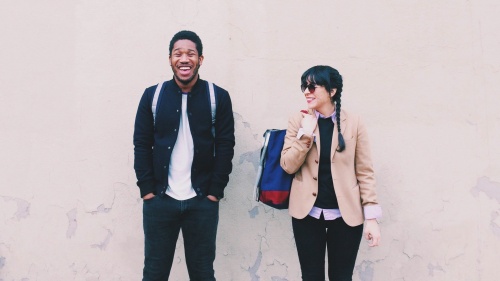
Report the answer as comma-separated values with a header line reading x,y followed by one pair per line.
x,y
311,87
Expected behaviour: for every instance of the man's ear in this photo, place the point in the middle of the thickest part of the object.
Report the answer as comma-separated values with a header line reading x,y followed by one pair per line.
x,y
200,60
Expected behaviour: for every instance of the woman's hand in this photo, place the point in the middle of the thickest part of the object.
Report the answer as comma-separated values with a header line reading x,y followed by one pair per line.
x,y
372,232
308,123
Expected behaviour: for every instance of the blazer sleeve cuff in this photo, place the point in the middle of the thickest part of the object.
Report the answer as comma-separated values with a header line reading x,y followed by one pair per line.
x,y
147,188
216,191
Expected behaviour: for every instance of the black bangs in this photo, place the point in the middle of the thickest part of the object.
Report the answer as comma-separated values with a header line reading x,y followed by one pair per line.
x,y
318,75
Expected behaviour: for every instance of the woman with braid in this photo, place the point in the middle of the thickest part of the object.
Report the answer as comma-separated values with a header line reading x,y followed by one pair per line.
x,y
333,191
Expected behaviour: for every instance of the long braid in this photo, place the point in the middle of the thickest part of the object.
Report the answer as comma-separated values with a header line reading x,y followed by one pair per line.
x,y
337,115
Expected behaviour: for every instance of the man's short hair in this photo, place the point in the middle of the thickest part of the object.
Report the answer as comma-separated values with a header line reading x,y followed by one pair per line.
x,y
186,35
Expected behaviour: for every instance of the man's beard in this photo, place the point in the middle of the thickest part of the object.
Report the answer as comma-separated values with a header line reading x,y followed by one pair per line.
x,y
190,79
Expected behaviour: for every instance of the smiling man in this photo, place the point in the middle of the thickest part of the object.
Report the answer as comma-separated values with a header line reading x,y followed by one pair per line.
x,y
182,163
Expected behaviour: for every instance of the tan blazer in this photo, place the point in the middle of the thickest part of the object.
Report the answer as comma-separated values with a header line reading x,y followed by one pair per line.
x,y
352,169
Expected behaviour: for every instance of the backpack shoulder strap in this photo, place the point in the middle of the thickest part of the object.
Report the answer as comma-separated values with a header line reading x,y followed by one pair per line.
x,y
155,99
213,104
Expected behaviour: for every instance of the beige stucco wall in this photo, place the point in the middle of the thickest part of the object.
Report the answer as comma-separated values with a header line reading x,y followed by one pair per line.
x,y
424,74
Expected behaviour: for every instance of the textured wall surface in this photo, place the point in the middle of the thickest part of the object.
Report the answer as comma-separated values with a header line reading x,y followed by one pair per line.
x,y
424,75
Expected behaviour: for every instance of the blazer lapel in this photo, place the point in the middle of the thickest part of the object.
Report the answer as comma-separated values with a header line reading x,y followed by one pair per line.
x,y
316,132
317,140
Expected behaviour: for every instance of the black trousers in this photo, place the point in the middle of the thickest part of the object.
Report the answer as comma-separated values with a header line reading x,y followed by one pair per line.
x,y
314,236
163,218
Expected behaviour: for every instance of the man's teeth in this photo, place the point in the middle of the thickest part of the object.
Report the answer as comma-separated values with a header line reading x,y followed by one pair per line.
x,y
184,68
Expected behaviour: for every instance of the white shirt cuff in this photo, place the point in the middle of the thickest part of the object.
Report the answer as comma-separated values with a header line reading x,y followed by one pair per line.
x,y
301,132
372,212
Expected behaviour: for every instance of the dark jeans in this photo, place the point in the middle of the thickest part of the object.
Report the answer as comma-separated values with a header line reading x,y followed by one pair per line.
x,y
163,218
313,236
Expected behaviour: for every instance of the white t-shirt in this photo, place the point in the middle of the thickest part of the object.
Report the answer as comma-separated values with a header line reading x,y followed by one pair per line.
x,y
181,160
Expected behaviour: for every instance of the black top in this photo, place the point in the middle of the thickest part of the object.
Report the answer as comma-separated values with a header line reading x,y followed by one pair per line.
x,y
326,194
153,146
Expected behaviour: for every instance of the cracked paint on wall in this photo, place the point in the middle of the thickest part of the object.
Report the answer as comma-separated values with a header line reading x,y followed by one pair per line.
x,y
488,187
251,157
102,246
255,267
101,210
23,207
433,268
275,268
365,271
254,212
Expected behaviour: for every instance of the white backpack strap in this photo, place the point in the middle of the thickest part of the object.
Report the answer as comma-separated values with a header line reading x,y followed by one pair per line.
x,y
155,99
213,104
